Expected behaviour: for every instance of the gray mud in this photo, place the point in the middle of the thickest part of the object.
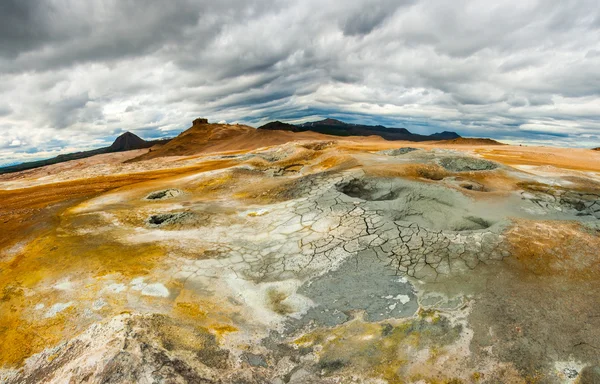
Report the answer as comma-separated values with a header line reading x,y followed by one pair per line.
x,y
166,219
397,151
164,194
466,164
555,200
360,284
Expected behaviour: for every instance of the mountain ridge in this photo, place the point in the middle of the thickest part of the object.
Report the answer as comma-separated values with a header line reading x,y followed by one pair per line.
x,y
335,127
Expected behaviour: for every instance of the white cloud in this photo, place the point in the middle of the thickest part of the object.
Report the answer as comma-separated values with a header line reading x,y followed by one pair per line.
x,y
519,70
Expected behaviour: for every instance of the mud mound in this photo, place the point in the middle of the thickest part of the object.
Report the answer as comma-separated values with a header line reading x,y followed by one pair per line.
x,y
429,207
397,151
165,219
440,215
467,164
369,189
164,194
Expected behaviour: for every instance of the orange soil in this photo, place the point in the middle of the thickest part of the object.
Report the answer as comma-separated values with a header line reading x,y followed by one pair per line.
x,y
21,209
555,248
567,158
222,137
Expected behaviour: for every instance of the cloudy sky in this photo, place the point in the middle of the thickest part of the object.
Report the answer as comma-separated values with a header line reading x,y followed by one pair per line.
x,y
76,73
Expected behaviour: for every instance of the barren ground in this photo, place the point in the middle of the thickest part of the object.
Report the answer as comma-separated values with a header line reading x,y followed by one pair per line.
x,y
313,260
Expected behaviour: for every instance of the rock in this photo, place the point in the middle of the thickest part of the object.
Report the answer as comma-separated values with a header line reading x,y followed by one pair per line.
x,y
255,360
570,373
200,121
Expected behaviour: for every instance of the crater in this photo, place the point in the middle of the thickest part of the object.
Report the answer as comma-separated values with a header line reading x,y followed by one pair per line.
x,y
469,185
472,186
370,189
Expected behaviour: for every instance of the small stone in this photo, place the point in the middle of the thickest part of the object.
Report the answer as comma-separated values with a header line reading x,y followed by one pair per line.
x,y
570,373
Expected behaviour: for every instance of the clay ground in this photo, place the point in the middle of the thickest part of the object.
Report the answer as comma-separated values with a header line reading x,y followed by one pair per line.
x,y
314,260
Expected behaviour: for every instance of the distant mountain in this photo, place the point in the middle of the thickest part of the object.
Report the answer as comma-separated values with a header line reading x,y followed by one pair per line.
x,y
279,126
126,142
472,141
340,128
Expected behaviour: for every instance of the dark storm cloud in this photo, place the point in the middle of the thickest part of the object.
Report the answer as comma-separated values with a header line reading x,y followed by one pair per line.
x,y
73,72
24,25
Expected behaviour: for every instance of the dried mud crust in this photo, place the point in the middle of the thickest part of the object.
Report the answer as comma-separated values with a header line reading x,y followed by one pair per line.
x,y
423,231
558,199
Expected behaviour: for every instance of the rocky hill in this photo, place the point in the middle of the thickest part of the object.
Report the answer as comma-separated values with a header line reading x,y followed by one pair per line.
x,y
204,137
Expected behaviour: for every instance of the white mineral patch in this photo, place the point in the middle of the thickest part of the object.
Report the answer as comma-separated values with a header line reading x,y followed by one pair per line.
x,y
402,298
115,287
15,249
39,306
156,290
137,284
256,298
57,308
99,202
64,285
98,304
149,289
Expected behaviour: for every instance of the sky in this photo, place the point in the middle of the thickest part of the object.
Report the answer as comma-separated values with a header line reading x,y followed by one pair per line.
x,y
74,74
